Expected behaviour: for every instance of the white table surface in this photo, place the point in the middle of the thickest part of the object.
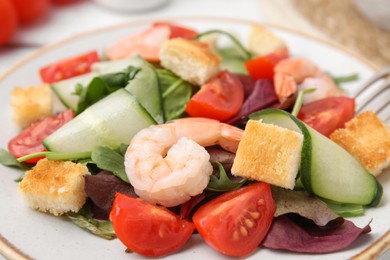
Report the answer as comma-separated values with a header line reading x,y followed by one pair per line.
x,y
66,21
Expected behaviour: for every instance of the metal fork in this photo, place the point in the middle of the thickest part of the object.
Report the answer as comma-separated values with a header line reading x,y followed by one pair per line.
x,y
375,89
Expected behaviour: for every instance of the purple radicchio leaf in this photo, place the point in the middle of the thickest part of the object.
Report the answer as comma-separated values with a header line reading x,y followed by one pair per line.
x,y
224,157
247,83
287,234
101,189
262,96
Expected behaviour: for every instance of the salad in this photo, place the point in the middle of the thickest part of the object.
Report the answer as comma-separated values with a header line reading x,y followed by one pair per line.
x,y
101,88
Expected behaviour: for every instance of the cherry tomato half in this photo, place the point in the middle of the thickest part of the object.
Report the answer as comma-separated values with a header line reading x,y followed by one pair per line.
x,y
262,67
236,222
31,10
30,139
69,67
148,229
328,114
219,98
178,31
8,21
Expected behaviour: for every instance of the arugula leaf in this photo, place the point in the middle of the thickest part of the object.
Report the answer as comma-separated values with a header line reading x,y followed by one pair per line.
x,y
84,219
110,160
299,100
56,156
223,183
9,160
175,93
243,52
338,80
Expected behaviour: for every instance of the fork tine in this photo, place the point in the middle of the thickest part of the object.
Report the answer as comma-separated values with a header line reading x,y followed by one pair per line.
x,y
385,72
364,100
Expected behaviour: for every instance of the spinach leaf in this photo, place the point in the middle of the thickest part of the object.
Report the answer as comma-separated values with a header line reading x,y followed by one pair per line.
x,y
175,93
9,160
123,149
110,160
102,86
84,219
223,183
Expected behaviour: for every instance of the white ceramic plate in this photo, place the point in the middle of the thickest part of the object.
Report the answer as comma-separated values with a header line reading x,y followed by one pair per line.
x,y
43,236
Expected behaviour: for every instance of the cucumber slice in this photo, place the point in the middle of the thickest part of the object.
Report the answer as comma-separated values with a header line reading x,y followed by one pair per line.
x,y
111,121
145,87
336,175
326,169
65,89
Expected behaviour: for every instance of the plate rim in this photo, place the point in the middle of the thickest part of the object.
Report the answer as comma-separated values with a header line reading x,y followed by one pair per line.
x,y
80,35
10,251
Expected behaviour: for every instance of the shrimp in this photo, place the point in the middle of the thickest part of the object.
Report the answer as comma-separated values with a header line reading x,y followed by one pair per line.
x,y
146,44
294,74
167,163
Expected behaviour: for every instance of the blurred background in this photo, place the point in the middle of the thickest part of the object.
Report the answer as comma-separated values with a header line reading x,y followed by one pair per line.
x,y
363,26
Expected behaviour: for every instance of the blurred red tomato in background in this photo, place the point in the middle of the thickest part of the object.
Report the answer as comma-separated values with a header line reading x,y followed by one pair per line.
x,y
31,10
8,21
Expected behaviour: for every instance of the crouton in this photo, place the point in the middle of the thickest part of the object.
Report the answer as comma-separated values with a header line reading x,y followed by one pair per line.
x,y
262,41
31,104
268,153
367,138
191,60
56,187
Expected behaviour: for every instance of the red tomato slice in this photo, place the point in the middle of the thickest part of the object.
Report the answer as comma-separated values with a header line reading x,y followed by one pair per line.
x,y
69,67
328,114
236,222
219,98
178,31
262,67
148,229
30,139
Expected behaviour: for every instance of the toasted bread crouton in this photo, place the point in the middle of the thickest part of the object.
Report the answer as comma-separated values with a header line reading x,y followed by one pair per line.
x,y
56,187
367,138
262,41
268,153
191,60
31,104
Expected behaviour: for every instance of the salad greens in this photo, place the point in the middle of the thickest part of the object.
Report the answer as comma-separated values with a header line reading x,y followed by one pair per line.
x,y
9,160
158,96
233,56
110,160
175,93
84,219
102,86
223,183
